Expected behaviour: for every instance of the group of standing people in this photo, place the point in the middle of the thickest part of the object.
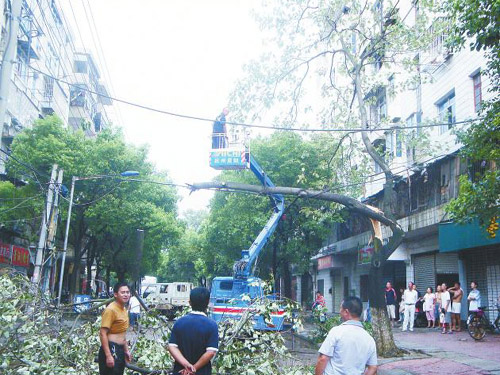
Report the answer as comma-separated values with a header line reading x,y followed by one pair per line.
x,y
193,343
442,307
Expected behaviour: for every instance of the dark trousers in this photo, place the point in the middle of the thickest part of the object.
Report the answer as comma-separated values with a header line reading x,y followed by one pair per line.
x,y
118,353
132,318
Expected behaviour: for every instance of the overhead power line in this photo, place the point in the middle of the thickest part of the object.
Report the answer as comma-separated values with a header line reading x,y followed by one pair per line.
x,y
284,128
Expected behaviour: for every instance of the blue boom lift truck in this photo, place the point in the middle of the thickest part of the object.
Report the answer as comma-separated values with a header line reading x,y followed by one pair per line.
x,y
229,295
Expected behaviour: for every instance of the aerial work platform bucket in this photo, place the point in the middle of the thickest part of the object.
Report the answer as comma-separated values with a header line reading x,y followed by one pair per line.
x,y
230,155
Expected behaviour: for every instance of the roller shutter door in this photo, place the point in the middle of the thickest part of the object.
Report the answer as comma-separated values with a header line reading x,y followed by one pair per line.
x,y
425,271
483,267
447,263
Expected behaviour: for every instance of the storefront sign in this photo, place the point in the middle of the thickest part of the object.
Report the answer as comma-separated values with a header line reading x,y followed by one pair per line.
x,y
365,254
20,257
5,253
15,255
325,262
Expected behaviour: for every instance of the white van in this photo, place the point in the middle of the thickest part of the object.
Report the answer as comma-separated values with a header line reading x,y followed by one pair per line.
x,y
168,297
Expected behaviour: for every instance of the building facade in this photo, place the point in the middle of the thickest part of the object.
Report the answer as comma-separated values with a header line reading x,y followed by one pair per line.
x,y
449,92
50,75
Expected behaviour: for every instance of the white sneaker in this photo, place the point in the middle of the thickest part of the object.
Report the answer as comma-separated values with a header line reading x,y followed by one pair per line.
x,y
411,330
404,330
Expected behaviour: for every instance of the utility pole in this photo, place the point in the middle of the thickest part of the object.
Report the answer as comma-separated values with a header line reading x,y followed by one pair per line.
x,y
43,233
52,229
138,258
8,60
65,248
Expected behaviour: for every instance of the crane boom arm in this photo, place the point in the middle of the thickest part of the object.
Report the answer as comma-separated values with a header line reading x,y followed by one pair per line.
x,y
243,267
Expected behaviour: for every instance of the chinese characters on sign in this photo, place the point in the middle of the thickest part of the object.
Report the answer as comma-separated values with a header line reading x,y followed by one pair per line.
x,y
18,256
5,253
325,262
228,159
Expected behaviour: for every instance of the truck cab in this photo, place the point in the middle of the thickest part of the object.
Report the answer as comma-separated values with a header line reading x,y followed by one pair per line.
x,y
231,297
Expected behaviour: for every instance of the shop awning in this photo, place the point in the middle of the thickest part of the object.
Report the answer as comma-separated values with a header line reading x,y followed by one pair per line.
x,y
456,237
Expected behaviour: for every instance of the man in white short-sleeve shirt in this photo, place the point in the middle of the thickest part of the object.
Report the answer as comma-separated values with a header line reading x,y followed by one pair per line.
x,y
446,307
348,349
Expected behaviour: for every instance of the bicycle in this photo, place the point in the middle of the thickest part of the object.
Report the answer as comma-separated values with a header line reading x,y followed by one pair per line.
x,y
478,323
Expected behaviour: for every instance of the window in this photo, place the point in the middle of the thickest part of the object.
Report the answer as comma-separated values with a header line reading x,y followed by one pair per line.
x,y
389,142
447,113
226,285
394,142
80,66
164,289
476,80
181,288
77,97
410,149
381,107
48,87
378,108
363,286
439,33
399,143
55,12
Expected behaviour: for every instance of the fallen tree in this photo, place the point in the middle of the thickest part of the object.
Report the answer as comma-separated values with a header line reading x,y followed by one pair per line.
x,y
381,325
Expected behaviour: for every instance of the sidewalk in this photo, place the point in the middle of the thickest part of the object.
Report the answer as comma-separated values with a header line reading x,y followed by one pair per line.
x,y
454,354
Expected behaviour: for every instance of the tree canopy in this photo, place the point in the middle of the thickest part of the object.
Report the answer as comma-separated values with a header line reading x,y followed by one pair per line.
x,y
477,22
108,211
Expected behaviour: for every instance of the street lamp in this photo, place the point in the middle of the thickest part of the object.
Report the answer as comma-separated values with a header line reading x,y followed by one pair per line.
x,y
65,248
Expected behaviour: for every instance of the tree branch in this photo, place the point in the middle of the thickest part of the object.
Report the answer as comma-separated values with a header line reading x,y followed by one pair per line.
x,y
350,203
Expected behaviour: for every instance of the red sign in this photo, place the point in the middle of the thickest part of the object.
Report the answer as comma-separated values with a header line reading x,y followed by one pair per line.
x,y
365,255
325,262
20,257
4,253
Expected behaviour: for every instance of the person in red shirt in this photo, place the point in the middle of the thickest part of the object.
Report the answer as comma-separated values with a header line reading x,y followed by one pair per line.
x,y
319,301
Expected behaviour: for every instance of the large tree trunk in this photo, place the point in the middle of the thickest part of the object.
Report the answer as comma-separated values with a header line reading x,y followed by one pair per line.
x,y
108,278
382,329
287,279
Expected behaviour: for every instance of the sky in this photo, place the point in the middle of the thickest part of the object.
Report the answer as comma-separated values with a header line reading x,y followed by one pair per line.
x,y
182,56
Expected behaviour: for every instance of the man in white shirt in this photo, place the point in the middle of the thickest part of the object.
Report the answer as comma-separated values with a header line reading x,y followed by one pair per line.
x,y
410,299
474,297
348,349
446,307
134,310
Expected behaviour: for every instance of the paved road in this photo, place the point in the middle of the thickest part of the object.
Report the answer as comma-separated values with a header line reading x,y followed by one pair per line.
x,y
454,354
430,353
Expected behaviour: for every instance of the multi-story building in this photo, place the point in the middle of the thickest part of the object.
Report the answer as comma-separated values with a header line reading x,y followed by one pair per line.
x,y
50,75
434,250
86,106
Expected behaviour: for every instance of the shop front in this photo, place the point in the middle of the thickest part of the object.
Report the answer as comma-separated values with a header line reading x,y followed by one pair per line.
x,y
479,259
